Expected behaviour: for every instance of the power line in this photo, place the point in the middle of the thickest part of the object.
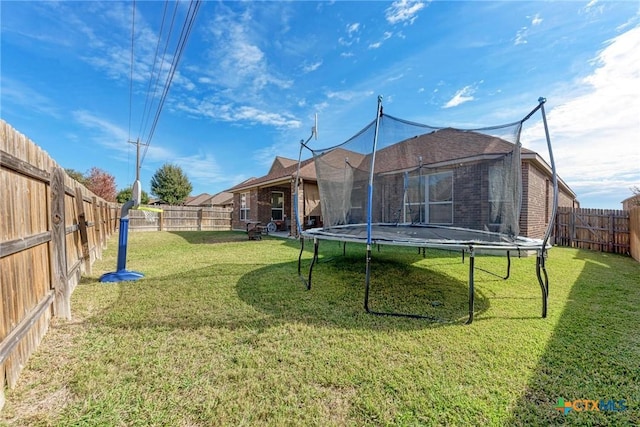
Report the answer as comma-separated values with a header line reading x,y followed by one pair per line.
x,y
153,76
187,27
133,27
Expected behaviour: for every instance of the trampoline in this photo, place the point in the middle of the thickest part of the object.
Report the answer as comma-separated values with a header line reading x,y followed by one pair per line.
x,y
401,183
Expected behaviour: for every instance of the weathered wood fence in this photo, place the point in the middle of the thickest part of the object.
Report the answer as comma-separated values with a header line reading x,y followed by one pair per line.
x,y
52,229
604,230
181,218
634,232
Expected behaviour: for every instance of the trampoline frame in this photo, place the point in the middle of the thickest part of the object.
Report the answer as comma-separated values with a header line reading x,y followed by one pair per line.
x,y
470,247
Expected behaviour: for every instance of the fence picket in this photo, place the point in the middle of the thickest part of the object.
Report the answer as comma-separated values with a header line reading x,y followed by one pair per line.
x,y
605,230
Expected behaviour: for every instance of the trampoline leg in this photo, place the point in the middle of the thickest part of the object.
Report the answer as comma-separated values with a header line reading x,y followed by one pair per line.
x,y
344,248
471,288
307,281
366,280
300,255
544,283
313,262
508,266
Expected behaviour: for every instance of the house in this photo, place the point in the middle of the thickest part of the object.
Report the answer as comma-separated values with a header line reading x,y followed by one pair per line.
x,y
223,199
630,202
270,197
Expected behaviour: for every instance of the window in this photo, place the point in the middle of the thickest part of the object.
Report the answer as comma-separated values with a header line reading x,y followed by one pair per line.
x,y
429,199
497,198
244,206
500,204
277,205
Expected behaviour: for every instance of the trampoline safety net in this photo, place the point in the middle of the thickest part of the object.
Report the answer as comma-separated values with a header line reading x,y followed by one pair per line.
x,y
399,172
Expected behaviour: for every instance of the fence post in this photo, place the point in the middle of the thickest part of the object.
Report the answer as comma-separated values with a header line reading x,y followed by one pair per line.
x,y
97,226
59,282
200,219
82,227
572,227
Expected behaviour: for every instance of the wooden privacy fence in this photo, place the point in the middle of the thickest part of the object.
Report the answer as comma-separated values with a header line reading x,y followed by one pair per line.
x,y
605,230
52,229
634,232
181,218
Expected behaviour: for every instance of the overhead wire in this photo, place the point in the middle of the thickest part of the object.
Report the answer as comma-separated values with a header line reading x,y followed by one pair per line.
x,y
187,27
154,77
133,27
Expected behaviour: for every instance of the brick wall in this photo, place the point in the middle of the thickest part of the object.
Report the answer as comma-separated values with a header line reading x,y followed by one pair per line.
x,y
537,201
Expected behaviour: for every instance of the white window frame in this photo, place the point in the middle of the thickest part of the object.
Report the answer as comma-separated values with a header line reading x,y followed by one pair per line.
x,y
426,203
281,193
244,207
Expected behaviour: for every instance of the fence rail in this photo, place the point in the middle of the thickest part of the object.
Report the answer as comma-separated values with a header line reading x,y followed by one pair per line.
x,y
604,230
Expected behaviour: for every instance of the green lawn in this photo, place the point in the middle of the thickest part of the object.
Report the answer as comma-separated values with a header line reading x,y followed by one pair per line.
x,y
221,331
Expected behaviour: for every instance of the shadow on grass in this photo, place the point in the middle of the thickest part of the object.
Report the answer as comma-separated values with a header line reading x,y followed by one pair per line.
x,y
229,296
336,297
594,352
211,237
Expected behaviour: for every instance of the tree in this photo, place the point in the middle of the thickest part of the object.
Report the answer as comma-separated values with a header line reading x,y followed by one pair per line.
x,y
78,176
636,192
170,184
125,195
102,184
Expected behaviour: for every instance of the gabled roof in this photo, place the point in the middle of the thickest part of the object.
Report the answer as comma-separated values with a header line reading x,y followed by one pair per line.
x,y
205,199
281,163
279,175
222,198
441,146
632,198
198,200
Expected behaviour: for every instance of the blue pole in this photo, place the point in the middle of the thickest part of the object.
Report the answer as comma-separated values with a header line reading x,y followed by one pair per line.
x,y
122,274
122,244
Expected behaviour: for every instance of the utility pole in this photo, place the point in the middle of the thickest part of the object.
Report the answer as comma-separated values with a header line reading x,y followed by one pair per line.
x,y
138,144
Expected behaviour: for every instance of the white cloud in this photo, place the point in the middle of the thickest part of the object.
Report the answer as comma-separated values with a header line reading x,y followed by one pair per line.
x,y
307,68
521,36
461,96
353,28
348,95
595,134
228,112
19,94
238,62
536,20
385,36
115,138
403,11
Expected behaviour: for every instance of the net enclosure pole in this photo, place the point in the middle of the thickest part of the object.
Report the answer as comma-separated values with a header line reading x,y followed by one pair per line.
x,y
554,175
371,172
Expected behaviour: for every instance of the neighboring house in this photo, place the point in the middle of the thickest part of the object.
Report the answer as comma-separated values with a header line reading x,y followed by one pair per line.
x,y
270,197
630,202
223,199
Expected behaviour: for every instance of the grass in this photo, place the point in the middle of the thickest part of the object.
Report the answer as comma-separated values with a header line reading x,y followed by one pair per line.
x,y
221,331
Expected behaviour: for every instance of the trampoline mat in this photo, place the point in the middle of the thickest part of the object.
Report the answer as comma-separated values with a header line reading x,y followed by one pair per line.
x,y
423,235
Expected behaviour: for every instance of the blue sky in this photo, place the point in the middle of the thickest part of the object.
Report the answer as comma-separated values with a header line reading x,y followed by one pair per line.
x,y
253,74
